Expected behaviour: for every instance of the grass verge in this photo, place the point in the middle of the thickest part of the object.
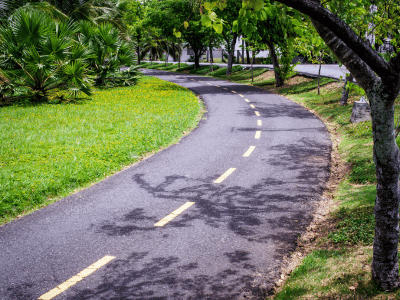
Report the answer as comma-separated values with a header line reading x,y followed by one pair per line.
x,y
48,151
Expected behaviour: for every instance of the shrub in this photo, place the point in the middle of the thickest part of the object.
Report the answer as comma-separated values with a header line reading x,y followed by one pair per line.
x,y
40,55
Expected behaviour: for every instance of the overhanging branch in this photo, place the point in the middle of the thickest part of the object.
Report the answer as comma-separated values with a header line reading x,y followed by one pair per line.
x,y
344,33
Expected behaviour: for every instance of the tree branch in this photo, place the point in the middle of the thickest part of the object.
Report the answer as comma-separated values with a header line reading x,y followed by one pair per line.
x,y
395,63
344,33
364,75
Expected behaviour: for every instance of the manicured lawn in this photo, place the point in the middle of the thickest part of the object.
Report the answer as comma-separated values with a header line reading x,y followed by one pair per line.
x,y
47,151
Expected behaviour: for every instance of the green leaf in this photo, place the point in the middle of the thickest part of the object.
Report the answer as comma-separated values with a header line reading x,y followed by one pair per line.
x,y
206,20
186,24
218,27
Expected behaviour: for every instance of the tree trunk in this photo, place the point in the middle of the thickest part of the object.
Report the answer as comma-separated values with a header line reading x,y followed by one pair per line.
x,y
278,79
211,60
196,59
319,71
242,50
252,74
345,93
173,52
231,54
385,269
247,56
138,58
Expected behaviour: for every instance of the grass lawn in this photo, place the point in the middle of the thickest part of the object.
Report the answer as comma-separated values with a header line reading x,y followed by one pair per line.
x,y
337,265
48,151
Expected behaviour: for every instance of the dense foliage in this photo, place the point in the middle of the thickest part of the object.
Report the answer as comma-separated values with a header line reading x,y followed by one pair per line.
x,y
42,57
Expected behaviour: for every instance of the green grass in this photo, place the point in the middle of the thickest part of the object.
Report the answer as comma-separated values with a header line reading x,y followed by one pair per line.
x,y
47,151
221,73
203,70
305,86
244,76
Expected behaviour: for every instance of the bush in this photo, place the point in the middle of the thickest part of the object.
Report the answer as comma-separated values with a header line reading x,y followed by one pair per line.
x,y
40,56
108,53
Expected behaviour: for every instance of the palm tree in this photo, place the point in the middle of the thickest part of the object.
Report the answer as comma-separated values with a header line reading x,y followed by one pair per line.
x,y
108,53
41,55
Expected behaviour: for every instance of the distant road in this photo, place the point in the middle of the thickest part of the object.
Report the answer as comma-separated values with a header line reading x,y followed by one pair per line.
x,y
331,71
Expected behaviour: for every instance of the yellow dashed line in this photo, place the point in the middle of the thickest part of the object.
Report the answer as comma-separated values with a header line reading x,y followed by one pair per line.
x,y
174,214
258,134
218,86
257,113
241,95
225,88
225,175
209,83
248,152
259,122
233,92
247,100
252,106
73,280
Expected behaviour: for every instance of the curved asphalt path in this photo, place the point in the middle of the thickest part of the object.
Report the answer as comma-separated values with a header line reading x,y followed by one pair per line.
x,y
229,245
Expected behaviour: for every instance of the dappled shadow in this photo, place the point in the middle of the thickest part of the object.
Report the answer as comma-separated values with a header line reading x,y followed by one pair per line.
x,y
23,291
272,212
132,222
142,277
287,109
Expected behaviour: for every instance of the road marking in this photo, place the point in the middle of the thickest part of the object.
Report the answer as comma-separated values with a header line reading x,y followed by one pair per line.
x,y
225,175
200,81
247,100
225,88
174,214
257,113
218,86
75,279
233,92
252,106
258,134
241,95
259,122
209,83
193,79
248,152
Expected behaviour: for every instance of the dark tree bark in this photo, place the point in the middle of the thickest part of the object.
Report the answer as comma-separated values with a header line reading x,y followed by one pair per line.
x,y
278,79
231,54
345,93
211,59
138,52
196,59
319,71
381,82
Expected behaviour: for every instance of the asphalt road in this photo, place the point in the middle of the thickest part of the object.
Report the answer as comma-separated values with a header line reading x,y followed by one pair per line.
x,y
230,238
